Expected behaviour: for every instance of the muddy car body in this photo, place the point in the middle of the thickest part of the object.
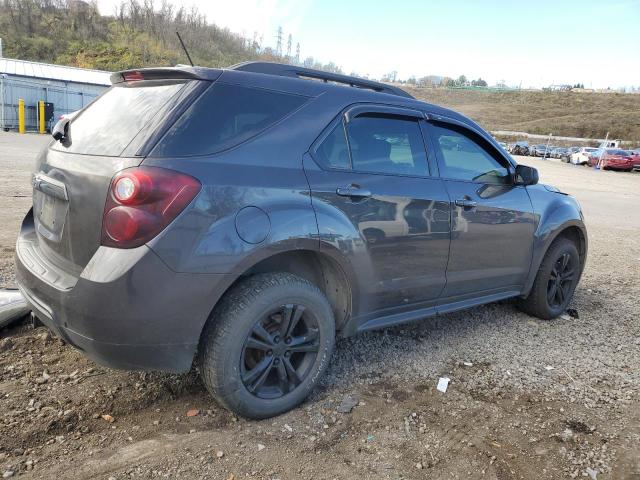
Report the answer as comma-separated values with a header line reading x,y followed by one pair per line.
x,y
224,215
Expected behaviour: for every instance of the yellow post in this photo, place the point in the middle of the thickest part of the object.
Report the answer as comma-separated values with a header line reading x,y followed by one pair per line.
x,y
20,115
41,128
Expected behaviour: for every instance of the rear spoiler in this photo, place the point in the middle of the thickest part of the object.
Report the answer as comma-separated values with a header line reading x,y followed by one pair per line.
x,y
166,73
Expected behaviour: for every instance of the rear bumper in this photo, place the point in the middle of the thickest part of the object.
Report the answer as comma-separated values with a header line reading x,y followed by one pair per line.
x,y
126,310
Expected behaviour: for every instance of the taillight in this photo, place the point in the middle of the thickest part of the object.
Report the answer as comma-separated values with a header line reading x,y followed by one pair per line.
x,y
141,202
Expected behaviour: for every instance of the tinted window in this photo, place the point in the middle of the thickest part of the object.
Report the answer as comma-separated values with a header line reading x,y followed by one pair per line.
x,y
465,156
108,125
333,151
387,145
224,116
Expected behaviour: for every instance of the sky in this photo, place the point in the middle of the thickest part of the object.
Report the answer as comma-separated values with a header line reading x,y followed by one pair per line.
x,y
529,44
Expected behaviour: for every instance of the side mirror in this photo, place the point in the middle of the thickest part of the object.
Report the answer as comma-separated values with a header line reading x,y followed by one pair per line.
x,y
526,175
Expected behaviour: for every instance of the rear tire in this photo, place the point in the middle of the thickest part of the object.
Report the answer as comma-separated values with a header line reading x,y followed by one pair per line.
x,y
267,344
555,281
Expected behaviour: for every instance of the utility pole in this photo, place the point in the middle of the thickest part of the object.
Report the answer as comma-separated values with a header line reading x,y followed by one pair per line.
x,y
289,39
279,42
603,147
544,157
298,53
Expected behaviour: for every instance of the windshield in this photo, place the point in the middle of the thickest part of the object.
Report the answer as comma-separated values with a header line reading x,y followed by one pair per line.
x,y
107,125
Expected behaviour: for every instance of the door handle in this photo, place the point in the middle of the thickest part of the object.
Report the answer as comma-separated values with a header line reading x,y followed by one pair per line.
x,y
465,203
353,191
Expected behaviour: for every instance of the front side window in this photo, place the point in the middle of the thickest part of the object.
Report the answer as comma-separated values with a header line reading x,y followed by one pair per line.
x,y
385,144
464,157
223,117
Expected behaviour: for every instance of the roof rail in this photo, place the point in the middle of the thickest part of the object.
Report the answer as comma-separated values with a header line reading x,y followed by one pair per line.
x,y
285,70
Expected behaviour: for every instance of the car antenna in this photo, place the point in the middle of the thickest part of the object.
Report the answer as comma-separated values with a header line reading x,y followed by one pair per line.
x,y
184,48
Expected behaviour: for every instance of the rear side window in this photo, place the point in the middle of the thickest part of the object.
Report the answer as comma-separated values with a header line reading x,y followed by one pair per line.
x,y
109,124
384,144
224,116
334,151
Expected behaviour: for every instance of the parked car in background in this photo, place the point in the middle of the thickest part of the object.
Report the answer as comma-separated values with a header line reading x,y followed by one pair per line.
x,y
519,148
565,156
635,155
581,157
558,152
612,159
610,144
540,150
243,219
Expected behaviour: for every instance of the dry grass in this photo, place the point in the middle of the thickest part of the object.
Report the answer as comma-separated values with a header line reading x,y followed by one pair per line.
x,y
570,114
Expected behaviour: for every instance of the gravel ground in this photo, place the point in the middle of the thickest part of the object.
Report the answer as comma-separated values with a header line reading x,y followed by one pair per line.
x,y
527,398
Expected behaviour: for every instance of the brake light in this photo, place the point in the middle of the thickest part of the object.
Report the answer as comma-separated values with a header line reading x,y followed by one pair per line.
x,y
141,202
133,76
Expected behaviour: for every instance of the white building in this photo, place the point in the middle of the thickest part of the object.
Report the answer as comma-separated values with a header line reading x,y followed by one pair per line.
x,y
66,88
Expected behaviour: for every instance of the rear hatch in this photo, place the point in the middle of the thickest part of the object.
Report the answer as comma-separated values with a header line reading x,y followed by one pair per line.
x,y
72,176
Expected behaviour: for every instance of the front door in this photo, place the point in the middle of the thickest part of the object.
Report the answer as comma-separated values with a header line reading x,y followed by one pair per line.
x,y
376,202
492,220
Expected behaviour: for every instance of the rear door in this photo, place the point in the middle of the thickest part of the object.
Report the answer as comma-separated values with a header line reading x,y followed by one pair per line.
x,y
492,221
377,203
72,177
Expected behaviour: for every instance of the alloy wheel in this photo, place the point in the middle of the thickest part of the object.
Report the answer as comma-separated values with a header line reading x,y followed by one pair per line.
x,y
560,281
279,352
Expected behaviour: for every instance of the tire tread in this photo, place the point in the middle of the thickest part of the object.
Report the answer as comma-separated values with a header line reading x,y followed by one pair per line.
x,y
536,303
222,322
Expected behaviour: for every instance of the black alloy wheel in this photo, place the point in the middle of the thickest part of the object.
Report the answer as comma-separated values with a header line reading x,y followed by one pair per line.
x,y
267,344
560,281
555,281
279,351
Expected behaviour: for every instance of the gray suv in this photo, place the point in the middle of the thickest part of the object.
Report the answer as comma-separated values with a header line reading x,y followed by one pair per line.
x,y
244,218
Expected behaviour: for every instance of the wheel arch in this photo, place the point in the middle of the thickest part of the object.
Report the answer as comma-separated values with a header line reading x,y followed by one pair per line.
x,y
574,230
316,266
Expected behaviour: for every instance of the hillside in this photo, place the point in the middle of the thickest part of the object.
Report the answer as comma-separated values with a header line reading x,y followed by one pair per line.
x,y
570,114
73,32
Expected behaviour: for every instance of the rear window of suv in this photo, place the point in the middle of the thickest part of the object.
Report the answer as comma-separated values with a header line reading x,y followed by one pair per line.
x,y
223,117
111,122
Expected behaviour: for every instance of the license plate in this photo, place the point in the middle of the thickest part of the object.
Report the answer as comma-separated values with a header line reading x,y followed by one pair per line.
x,y
48,212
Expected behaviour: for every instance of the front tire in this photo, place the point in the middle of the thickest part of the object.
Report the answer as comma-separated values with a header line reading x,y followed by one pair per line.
x,y
267,345
555,281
